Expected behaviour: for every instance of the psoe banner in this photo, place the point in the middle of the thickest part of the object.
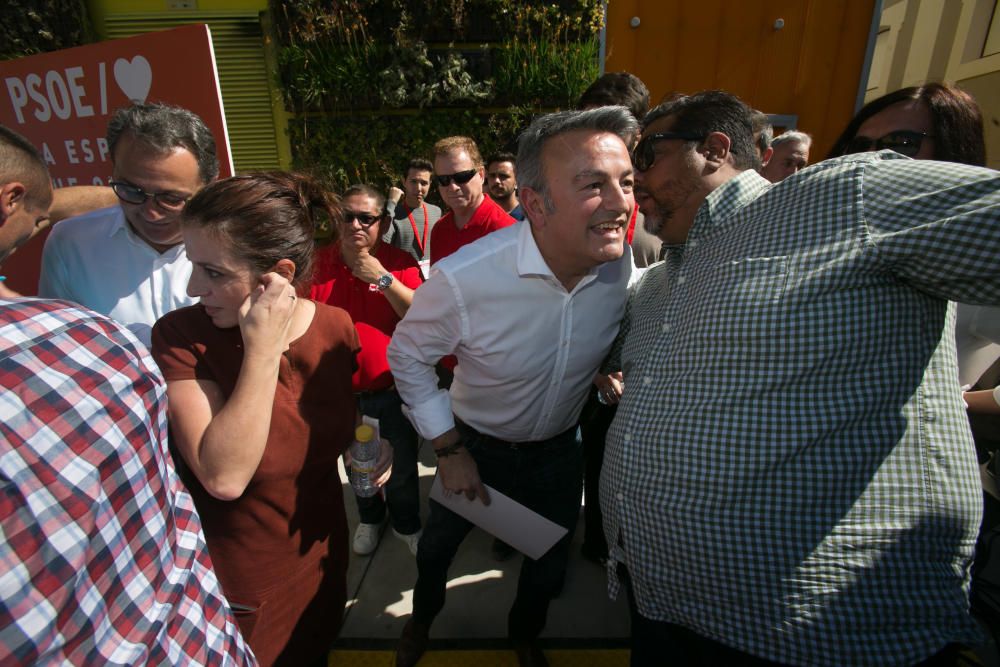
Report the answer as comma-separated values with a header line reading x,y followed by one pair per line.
x,y
62,101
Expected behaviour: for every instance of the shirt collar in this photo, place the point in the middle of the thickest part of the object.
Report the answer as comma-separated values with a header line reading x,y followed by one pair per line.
x,y
120,226
530,261
728,199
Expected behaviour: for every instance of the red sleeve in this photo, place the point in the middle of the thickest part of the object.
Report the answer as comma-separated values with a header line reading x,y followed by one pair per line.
x,y
631,225
174,351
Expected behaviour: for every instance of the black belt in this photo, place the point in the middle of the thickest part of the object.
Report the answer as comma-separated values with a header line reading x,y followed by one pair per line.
x,y
494,441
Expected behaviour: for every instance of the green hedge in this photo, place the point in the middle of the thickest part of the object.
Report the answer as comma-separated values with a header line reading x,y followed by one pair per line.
x,y
37,26
373,83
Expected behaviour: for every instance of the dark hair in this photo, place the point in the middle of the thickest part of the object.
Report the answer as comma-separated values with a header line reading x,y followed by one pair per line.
x,y
617,89
418,163
501,157
713,111
763,132
21,161
266,216
365,190
165,128
956,122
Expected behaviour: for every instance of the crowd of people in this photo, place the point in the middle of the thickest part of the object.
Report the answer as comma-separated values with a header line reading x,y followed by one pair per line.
x,y
751,361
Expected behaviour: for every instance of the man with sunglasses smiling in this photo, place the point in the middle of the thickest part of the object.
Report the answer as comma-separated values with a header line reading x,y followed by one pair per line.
x,y
790,477
128,261
374,282
460,177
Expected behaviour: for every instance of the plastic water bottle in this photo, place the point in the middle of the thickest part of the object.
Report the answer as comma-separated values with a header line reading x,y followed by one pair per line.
x,y
364,454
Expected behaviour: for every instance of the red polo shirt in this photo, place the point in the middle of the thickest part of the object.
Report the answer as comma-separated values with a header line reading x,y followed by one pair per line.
x,y
373,316
446,238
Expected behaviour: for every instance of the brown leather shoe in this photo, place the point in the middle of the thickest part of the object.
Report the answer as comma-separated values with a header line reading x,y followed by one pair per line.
x,y
529,655
412,644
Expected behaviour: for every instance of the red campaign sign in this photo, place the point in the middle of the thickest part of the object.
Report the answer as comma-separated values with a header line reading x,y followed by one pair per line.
x,y
62,102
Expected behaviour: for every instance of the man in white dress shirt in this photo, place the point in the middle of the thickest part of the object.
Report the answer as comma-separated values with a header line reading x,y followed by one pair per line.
x,y
529,311
128,261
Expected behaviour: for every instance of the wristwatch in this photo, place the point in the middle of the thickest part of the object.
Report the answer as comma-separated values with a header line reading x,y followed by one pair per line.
x,y
384,281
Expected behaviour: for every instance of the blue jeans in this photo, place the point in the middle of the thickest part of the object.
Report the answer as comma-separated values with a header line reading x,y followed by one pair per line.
x,y
402,492
546,477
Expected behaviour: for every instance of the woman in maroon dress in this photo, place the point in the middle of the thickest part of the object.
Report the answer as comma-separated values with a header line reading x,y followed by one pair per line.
x,y
259,389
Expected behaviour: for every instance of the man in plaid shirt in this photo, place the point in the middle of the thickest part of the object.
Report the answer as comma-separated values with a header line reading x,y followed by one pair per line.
x,y
102,557
790,477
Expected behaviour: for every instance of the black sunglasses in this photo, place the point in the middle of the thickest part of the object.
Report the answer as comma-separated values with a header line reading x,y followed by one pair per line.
x,y
364,219
904,142
643,155
461,177
133,194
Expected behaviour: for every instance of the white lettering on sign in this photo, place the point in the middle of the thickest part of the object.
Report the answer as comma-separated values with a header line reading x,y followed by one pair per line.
x,y
47,154
63,93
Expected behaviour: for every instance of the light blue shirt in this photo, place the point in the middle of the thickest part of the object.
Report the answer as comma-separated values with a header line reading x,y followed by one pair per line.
x,y
97,261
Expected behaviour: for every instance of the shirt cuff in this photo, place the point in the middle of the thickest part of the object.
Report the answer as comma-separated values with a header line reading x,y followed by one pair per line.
x,y
433,417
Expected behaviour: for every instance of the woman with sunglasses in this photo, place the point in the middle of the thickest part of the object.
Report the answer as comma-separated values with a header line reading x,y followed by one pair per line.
x,y
935,121
261,407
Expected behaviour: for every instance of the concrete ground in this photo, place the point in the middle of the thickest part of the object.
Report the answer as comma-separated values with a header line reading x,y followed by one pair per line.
x,y
480,591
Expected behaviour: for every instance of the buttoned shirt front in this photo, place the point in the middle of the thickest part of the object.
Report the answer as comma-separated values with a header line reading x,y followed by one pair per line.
x,y
102,556
527,349
790,471
97,261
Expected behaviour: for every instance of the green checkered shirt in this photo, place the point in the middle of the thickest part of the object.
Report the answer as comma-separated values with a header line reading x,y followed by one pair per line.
x,y
791,471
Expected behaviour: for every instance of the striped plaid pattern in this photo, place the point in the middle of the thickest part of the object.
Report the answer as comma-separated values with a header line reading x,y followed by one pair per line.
x,y
790,470
102,557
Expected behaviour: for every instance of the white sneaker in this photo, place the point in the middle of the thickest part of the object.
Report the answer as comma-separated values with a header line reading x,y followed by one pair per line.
x,y
366,538
410,540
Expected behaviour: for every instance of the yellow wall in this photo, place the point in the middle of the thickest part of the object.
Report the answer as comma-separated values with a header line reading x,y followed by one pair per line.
x,y
100,8
810,64
942,40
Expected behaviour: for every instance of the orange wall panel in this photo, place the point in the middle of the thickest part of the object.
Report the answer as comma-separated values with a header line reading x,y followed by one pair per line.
x,y
810,66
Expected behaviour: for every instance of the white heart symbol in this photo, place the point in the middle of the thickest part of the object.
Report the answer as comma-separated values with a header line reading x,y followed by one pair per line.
x,y
134,78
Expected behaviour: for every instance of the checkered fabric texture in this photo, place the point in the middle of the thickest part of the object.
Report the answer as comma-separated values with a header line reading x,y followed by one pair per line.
x,y
791,471
102,556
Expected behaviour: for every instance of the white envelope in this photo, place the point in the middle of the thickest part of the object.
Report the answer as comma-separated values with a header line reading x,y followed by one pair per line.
x,y
524,529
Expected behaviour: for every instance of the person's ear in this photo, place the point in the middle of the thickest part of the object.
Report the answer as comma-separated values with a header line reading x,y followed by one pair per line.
x,y
11,197
716,149
533,203
768,154
285,268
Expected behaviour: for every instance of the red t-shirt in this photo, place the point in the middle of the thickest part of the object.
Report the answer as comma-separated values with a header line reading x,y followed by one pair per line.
x,y
446,238
373,316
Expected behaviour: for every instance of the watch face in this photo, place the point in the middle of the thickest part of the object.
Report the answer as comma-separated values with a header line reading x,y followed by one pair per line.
x,y
384,281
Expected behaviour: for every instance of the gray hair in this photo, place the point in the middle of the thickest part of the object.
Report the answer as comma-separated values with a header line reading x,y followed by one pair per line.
x,y
616,120
165,128
791,135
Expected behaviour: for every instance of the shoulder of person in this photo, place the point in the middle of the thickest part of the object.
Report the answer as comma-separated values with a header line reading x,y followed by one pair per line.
x,y
89,225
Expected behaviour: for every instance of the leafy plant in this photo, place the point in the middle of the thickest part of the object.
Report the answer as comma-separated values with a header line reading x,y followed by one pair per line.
x,y
38,26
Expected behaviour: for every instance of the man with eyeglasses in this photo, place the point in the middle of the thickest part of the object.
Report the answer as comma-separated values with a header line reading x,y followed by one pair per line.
x,y
128,261
790,477
460,176
374,282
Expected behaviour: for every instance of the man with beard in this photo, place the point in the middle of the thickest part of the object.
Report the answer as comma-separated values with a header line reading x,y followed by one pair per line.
x,y
790,478
501,179
530,311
